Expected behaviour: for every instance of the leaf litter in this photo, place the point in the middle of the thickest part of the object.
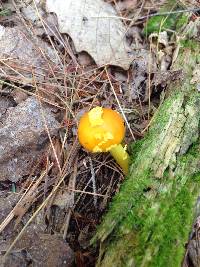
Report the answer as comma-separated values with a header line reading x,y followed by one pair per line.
x,y
54,67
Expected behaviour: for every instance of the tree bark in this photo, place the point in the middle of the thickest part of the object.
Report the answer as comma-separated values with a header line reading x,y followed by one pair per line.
x,y
149,220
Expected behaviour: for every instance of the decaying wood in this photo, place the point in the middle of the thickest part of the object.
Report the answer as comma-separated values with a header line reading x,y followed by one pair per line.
x,y
149,221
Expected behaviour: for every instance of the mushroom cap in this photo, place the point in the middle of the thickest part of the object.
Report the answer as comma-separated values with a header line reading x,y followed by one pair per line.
x,y
101,129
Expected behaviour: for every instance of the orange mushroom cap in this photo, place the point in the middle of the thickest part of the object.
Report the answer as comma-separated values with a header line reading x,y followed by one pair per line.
x,y
101,129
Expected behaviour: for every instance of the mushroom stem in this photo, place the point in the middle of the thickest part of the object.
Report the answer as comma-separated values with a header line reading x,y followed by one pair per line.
x,y
121,156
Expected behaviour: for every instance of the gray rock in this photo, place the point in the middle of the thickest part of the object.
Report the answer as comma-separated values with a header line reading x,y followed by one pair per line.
x,y
23,137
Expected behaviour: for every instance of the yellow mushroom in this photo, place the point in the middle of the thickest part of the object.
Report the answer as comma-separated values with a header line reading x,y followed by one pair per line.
x,y
102,130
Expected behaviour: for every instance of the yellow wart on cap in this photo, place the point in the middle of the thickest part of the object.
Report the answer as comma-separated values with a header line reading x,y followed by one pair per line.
x,y
95,116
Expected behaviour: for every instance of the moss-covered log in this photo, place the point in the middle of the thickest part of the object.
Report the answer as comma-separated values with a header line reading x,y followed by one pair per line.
x,y
149,220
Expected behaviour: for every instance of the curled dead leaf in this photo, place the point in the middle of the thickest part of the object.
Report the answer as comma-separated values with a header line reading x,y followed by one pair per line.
x,y
95,28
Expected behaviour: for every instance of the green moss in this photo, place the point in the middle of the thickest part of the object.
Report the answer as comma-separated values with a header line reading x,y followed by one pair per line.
x,y
161,23
190,44
171,233
5,12
160,229
134,149
172,22
181,21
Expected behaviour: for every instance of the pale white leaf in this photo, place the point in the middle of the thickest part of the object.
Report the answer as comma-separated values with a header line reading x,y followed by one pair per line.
x,y
95,28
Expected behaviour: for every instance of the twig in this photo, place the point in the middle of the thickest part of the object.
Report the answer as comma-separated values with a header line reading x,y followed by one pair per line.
x,y
170,12
120,107
30,93
23,200
151,15
72,182
93,182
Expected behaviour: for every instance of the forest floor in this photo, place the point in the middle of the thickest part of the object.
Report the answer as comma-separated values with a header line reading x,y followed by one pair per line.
x,y
53,193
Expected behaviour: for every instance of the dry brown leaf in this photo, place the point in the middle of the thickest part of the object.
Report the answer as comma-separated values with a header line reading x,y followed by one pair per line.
x,y
19,95
127,4
94,28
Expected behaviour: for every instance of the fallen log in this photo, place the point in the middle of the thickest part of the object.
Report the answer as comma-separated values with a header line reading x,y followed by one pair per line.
x,y
149,220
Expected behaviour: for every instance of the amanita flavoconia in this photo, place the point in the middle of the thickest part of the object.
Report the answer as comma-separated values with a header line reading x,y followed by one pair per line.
x,y
102,130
